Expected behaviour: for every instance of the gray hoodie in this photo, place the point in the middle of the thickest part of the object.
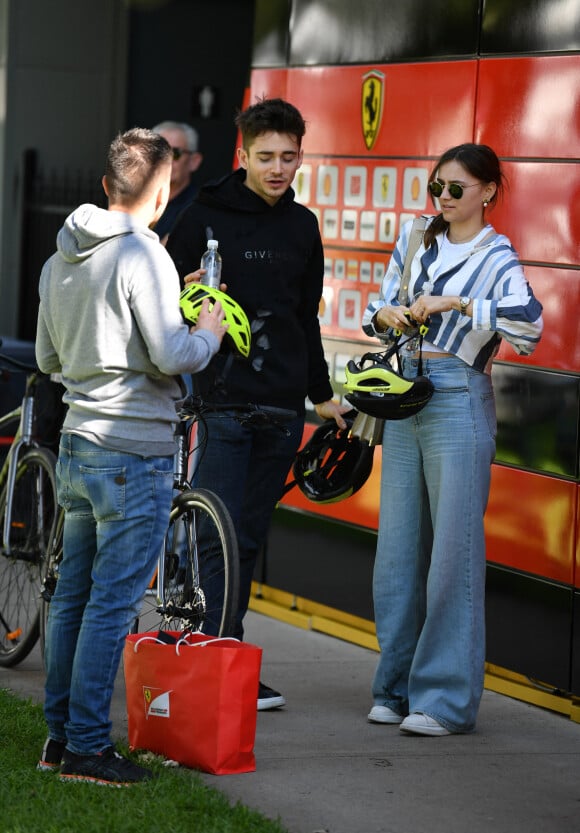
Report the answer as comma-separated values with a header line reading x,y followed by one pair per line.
x,y
109,322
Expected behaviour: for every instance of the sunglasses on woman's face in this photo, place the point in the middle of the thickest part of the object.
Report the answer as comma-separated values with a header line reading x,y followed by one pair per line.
x,y
455,189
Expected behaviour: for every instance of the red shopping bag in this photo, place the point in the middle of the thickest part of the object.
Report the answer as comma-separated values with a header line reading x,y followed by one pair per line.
x,y
194,701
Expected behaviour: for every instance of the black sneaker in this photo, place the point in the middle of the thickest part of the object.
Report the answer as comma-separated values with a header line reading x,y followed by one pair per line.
x,y
269,699
51,756
107,768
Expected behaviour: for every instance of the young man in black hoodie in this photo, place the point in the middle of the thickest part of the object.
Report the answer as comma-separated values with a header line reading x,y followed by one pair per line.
x,y
273,266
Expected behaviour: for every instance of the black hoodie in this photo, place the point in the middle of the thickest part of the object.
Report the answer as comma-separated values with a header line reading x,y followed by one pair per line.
x,y
273,265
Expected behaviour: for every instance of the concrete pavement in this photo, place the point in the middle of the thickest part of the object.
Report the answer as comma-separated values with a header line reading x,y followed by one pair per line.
x,y
322,767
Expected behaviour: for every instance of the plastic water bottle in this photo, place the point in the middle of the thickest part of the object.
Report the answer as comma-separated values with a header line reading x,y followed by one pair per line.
x,y
211,261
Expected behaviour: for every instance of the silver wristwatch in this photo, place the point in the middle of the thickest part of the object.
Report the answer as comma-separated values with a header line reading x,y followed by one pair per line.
x,y
464,302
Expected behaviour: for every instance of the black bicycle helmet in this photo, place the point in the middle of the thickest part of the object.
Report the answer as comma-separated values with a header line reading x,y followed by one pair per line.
x,y
333,464
238,334
375,388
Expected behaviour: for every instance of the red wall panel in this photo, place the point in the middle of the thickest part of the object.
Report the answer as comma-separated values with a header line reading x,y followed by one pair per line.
x,y
530,523
577,553
559,292
426,107
530,107
528,110
360,509
540,210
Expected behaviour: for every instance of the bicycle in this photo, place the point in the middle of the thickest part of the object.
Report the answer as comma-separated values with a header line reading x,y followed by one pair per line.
x,y
200,546
28,512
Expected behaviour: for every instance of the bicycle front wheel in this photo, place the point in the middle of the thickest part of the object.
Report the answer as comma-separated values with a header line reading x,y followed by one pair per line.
x,y
23,554
196,587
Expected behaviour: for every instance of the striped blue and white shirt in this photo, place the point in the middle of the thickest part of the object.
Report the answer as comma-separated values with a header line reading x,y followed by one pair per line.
x,y
489,272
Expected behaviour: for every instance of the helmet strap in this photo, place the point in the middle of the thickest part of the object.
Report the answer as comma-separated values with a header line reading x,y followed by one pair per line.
x,y
219,383
420,365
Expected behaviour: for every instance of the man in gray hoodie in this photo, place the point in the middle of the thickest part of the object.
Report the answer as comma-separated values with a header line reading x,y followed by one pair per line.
x,y
109,323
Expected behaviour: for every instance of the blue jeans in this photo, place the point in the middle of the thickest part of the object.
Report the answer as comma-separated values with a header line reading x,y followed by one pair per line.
x,y
117,511
429,576
247,467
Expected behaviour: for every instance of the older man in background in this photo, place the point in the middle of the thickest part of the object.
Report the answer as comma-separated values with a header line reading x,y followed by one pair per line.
x,y
184,142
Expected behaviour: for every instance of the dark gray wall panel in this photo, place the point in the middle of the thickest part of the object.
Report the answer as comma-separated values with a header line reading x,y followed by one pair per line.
x,y
530,26
373,31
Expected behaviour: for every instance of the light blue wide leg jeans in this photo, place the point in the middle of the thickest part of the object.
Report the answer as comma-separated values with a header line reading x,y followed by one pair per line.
x,y
429,575
117,511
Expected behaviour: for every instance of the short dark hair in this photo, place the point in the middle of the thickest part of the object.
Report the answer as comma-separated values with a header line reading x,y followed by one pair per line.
x,y
133,159
270,115
481,162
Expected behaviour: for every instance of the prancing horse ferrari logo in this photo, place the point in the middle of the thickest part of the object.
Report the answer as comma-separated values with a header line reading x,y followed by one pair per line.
x,y
372,106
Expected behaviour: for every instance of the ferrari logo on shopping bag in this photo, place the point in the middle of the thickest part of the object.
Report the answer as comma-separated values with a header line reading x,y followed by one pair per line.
x,y
372,105
156,705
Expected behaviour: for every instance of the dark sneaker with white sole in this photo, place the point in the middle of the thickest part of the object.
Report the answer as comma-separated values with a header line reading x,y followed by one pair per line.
x,y
269,699
51,755
108,768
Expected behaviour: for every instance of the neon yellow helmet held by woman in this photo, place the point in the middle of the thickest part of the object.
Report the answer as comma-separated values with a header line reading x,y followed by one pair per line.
x,y
375,388
238,335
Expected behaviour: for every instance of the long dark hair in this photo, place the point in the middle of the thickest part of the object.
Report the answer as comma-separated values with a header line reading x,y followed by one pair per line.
x,y
481,162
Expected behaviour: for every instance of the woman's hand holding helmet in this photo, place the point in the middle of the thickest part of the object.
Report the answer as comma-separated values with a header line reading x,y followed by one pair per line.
x,y
392,317
425,305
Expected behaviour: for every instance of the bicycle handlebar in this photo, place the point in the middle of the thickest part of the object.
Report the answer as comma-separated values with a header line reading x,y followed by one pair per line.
x,y
16,363
246,413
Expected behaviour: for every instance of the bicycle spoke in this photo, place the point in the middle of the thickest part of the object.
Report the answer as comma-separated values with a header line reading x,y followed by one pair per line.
x,y
23,554
197,581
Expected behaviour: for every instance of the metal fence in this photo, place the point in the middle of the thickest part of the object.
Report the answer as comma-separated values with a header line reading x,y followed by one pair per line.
x,y
48,198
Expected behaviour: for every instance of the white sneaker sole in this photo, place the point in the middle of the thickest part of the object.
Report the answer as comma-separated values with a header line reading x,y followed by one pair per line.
x,y
382,714
430,729
267,703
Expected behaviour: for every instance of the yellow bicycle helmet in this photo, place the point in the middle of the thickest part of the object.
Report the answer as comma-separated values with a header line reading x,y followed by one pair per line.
x,y
238,334
375,388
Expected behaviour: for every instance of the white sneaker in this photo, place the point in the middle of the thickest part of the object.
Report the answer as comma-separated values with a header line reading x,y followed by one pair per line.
x,y
268,698
421,724
383,714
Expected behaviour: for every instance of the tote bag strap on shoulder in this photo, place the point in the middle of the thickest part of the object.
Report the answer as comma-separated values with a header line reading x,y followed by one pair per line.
x,y
415,240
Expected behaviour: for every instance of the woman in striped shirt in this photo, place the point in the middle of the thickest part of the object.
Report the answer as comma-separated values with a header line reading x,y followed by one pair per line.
x,y
467,284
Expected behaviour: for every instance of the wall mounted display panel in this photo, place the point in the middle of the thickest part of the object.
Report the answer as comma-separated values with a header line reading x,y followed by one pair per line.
x,y
559,292
529,523
575,650
577,556
271,33
343,32
530,107
537,419
405,110
530,26
559,348
528,627
540,212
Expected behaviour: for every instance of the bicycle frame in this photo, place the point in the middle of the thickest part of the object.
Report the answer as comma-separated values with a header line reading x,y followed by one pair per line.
x,y
23,438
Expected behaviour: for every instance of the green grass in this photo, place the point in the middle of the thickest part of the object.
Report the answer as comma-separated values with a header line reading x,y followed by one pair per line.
x,y
177,801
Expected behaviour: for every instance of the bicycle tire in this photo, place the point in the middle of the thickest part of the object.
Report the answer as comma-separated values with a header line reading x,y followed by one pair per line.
x,y
200,551
22,563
